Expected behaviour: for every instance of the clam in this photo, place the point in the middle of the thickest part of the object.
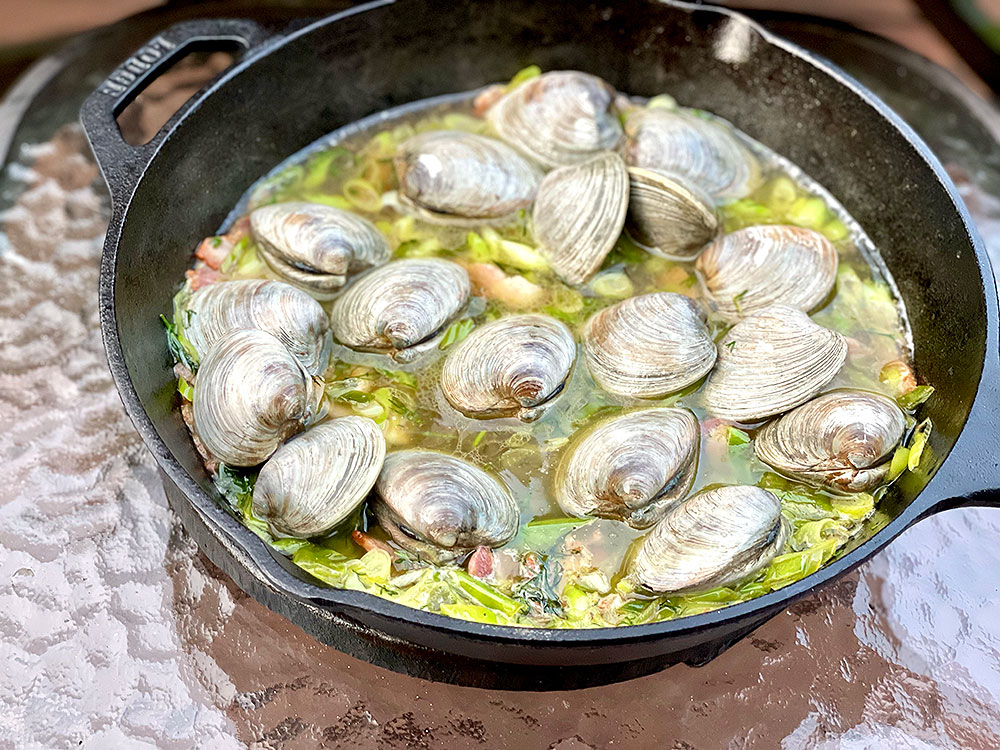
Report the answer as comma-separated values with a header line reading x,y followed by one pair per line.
x,y
747,270
457,177
440,507
509,367
296,319
579,214
719,537
842,440
250,395
316,247
648,346
317,479
562,117
693,148
668,217
400,308
771,362
631,468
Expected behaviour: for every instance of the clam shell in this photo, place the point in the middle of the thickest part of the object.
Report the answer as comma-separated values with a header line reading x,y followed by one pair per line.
x,y
292,316
317,479
693,148
316,247
755,267
401,307
250,395
440,507
841,440
450,175
561,117
771,362
631,468
669,218
648,346
579,214
715,538
509,367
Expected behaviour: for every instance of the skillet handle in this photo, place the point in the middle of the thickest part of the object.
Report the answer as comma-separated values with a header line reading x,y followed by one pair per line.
x,y
121,163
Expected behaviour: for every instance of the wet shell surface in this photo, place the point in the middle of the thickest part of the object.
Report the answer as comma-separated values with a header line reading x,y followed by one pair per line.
x,y
692,148
668,217
400,308
440,507
715,538
509,367
319,478
292,316
752,268
451,175
559,118
771,362
842,440
250,395
579,214
631,468
316,247
648,346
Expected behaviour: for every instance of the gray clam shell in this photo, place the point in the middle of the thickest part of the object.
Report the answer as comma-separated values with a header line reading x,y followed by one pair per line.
x,y
716,538
250,395
648,346
771,362
667,216
400,308
440,507
289,314
842,440
317,479
633,468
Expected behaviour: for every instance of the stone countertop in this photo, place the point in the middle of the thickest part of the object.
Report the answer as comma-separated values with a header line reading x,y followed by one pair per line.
x,y
116,632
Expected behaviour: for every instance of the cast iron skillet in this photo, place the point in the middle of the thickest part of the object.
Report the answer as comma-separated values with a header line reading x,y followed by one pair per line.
x,y
290,90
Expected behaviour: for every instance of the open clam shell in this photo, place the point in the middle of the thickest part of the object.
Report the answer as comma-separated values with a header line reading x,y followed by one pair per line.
x,y
510,367
316,247
752,268
317,479
452,176
648,346
771,362
440,507
292,316
579,214
633,468
716,538
668,217
400,308
842,440
561,117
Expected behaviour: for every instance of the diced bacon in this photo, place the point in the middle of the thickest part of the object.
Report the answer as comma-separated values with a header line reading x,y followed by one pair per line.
x,y
480,564
369,542
487,98
515,291
213,250
201,276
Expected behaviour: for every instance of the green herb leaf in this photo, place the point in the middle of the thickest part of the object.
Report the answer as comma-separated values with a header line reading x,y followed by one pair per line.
x,y
180,348
736,436
914,398
456,332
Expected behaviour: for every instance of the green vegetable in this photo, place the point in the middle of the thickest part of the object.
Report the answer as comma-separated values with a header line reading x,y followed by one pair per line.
x,y
914,398
897,466
185,389
181,349
736,436
613,284
475,613
662,101
542,533
479,438
363,195
326,164
394,400
524,74
337,201
456,332
807,212
485,594
918,444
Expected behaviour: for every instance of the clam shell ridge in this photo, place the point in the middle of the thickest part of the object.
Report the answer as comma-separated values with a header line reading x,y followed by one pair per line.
x,y
250,395
316,247
693,148
715,538
319,478
509,367
771,362
841,440
648,346
668,217
561,117
450,174
579,214
398,306
292,316
755,267
440,507
631,468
